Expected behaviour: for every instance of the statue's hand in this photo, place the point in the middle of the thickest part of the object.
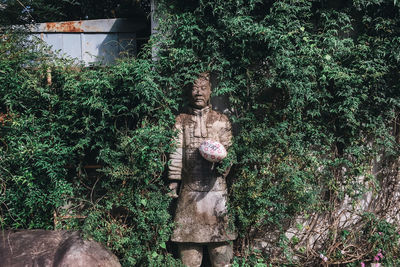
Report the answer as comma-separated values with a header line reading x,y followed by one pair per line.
x,y
173,187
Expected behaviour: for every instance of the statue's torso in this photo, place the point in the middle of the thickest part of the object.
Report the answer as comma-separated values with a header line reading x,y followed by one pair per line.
x,y
199,174
201,214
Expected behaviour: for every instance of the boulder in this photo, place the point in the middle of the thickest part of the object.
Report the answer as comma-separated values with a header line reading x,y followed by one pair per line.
x,y
42,248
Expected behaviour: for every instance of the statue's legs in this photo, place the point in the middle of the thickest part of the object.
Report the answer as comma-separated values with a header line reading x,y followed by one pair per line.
x,y
221,254
191,254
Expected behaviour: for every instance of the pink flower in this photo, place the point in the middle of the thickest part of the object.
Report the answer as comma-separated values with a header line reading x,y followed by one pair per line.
x,y
376,258
380,255
380,233
362,264
323,257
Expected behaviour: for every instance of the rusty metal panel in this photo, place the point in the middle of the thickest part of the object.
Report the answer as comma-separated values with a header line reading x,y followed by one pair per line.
x,y
92,41
96,25
100,47
71,44
55,39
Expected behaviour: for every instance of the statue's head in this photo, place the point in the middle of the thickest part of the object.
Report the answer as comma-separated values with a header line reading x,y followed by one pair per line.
x,y
201,91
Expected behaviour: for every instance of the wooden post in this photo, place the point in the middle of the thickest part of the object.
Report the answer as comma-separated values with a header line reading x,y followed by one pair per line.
x,y
49,82
154,27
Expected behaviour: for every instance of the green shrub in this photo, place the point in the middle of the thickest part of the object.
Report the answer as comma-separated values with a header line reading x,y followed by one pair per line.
x,y
117,117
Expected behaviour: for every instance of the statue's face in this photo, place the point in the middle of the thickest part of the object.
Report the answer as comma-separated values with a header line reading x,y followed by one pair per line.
x,y
201,92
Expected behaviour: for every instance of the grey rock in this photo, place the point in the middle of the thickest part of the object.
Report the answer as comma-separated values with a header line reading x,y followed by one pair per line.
x,y
42,248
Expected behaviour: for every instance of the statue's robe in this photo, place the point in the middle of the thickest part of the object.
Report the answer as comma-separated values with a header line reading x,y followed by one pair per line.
x,y
201,214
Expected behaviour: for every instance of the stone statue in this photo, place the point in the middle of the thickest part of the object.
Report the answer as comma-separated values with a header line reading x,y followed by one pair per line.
x,y
201,214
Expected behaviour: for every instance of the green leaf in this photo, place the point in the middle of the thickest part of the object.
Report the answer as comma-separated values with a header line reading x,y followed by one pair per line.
x,y
162,245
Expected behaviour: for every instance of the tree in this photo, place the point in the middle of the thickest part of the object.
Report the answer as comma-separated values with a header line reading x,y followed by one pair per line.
x,y
14,12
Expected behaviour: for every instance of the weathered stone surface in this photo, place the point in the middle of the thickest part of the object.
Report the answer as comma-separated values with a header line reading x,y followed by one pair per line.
x,y
41,248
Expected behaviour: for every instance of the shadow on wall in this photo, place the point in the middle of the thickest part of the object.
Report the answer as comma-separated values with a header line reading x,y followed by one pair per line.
x,y
105,47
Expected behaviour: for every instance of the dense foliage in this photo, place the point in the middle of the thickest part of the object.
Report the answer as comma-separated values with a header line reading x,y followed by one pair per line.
x,y
53,135
14,12
314,97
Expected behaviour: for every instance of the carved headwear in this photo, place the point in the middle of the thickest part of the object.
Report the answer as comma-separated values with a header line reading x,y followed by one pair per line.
x,y
205,75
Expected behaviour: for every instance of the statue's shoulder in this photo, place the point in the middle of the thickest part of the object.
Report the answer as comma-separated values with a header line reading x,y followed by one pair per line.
x,y
218,116
182,118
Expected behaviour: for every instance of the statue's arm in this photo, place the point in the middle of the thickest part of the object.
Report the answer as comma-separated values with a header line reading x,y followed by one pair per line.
x,y
225,136
175,166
